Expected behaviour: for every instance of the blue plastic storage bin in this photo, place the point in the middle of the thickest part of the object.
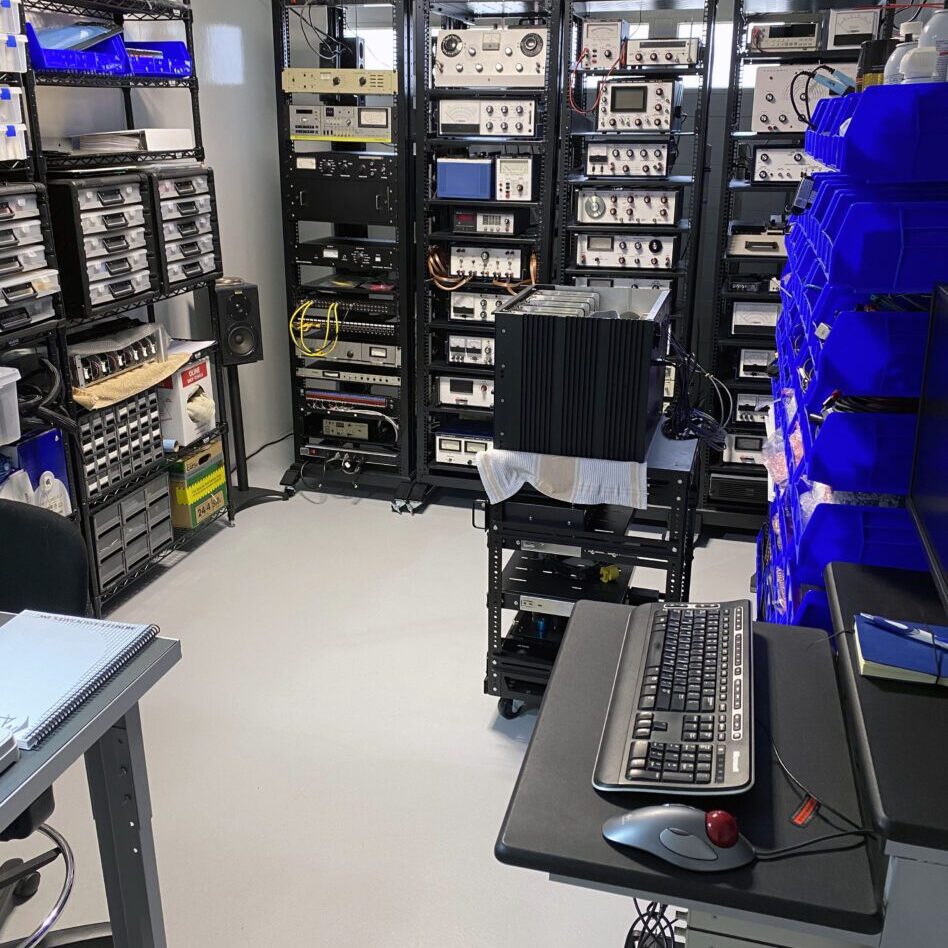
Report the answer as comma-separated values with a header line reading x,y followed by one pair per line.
x,y
894,133
850,533
174,61
874,353
107,58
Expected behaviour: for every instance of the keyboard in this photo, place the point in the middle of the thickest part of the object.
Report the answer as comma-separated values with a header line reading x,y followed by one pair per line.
x,y
680,718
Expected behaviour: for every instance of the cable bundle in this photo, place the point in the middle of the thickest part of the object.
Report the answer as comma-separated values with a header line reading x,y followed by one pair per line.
x,y
569,83
685,421
444,279
300,325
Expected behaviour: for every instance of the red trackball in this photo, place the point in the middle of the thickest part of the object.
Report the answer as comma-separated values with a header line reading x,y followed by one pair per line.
x,y
721,828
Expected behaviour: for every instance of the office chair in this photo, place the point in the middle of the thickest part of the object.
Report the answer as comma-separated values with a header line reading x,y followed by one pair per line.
x,y
45,568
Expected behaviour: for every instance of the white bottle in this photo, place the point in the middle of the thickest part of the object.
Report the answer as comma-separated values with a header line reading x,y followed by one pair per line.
x,y
935,35
893,67
919,65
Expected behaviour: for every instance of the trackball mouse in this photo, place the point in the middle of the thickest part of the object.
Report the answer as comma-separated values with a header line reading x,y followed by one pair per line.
x,y
684,836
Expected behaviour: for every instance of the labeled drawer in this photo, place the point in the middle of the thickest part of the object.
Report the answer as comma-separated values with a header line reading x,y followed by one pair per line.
x,y
135,552
136,526
187,228
109,543
161,535
133,504
184,187
13,143
26,314
21,234
29,286
19,206
124,288
104,197
106,222
189,249
156,489
192,269
111,569
106,520
192,207
106,244
21,261
122,264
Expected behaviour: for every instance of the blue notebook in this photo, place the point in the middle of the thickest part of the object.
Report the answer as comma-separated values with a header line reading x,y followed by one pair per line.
x,y
909,656
50,664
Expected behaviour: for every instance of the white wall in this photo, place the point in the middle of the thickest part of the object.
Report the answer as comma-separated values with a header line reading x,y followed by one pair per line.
x,y
234,50
234,59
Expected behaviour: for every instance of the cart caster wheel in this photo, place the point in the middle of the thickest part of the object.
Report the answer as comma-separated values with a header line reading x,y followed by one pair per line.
x,y
510,709
26,888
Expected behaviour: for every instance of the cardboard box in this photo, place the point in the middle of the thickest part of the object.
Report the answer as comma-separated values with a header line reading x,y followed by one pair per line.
x,y
35,472
198,487
183,405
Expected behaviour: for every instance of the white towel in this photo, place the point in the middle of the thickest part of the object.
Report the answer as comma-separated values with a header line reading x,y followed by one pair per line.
x,y
573,480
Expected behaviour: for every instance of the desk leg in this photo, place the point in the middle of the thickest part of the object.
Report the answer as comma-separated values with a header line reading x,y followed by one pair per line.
x,y
121,805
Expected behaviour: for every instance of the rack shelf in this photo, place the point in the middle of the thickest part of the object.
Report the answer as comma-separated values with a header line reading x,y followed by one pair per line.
x,y
60,162
82,80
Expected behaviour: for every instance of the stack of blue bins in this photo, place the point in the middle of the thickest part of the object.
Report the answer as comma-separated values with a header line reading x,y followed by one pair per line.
x,y
862,261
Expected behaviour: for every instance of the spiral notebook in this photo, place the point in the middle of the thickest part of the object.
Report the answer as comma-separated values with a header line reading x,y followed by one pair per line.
x,y
50,664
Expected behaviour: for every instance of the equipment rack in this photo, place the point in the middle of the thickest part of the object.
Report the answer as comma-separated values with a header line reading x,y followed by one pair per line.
x,y
337,464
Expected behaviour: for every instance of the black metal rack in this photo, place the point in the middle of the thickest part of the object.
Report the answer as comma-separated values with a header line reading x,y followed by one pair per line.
x,y
374,316
435,226
687,144
541,532
733,494
55,335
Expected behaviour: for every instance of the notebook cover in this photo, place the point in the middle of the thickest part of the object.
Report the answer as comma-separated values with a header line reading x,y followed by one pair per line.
x,y
885,654
50,664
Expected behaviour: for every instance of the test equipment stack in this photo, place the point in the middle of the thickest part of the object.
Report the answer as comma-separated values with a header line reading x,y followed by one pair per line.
x,y
635,87
785,59
344,121
485,124
115,264
868,244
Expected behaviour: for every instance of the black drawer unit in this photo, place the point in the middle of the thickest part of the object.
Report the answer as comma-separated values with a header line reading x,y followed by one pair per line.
x,y
188,236
105,237
119,442
130,532
29,279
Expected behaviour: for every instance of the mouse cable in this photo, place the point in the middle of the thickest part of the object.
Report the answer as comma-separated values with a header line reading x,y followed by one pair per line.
x,y
801,785
769,855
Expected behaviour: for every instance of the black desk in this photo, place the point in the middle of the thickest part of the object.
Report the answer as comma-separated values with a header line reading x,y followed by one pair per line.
x,y
554,820
898,730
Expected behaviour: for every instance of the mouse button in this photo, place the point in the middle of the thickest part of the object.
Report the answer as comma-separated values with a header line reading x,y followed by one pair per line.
x,y
682,843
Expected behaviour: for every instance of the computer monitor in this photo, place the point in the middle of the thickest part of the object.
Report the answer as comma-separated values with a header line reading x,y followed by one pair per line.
x,y
928,500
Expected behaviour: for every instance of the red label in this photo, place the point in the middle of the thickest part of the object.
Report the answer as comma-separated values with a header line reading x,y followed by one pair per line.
x,y
805,812
192,374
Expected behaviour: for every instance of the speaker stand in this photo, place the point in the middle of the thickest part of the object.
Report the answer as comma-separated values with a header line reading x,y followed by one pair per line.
x,y
244,495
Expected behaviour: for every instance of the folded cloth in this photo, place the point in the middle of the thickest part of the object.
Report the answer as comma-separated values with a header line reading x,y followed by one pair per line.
x,y
573,480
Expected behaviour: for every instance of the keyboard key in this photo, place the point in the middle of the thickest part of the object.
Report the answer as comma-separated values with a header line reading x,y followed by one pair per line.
x,y
678,778
702,778
663,702
649,775
647,702
639,749
677,701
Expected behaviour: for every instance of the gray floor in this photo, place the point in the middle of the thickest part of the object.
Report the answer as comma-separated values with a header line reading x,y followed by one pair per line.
x,y
325,768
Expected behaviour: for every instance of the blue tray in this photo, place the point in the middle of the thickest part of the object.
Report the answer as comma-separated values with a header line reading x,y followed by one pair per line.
x,y
174,62
107,58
